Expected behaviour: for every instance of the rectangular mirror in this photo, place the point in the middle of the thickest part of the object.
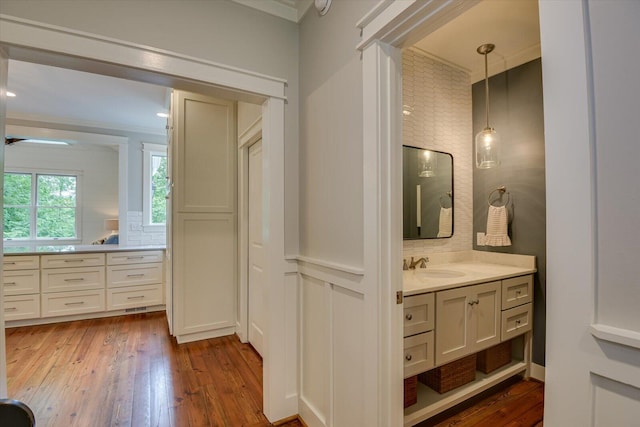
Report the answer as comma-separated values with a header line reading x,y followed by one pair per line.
x,y
427,193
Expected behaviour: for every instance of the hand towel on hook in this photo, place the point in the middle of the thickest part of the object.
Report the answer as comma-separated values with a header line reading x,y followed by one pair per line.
x,y
497,223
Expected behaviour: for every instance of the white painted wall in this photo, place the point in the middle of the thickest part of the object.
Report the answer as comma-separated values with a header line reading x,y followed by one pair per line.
x,y
220,31
99,180
441,120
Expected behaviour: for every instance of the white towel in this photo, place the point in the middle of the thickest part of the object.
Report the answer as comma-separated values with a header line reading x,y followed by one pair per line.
x,y
497,219
444,226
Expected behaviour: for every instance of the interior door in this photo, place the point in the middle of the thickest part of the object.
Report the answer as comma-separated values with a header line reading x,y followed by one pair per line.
x,y
4,73
256,249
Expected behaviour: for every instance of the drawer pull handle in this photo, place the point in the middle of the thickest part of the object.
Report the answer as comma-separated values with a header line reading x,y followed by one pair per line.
x,y
135,275
74,303
472,302
73,260
135,257
79,279
518,292
10,308
409,316
517,323
138,297
9,263
10,283
408,357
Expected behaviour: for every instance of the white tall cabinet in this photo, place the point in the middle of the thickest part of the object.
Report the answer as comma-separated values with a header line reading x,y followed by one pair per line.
x,y
203,217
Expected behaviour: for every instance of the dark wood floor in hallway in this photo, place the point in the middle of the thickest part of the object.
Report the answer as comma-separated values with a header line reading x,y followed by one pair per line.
x,y
127,371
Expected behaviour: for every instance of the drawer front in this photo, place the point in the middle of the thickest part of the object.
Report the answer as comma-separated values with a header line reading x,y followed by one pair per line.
x,y
72,260
516,321
517,291
137,257
21,307
135,296
22,262
418,354
20,282
418,313
66,303
72,279
138,274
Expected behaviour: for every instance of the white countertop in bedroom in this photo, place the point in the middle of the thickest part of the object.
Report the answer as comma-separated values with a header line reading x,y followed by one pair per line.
x,y
58,249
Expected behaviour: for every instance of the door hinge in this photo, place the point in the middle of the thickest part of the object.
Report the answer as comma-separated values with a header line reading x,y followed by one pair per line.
x,y
399,297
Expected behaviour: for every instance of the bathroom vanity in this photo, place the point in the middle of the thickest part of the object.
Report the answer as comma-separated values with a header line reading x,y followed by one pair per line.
x,y
44,284
465,303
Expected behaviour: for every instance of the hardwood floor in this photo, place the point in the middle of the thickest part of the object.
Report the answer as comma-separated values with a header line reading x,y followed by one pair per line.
x,y
514,404
127,371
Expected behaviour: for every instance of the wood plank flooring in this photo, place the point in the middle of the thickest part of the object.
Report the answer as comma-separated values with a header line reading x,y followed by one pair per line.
x,y
128,371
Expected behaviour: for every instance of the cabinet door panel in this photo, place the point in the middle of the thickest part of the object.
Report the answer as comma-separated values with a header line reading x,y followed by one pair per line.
x,y
452,324
486,313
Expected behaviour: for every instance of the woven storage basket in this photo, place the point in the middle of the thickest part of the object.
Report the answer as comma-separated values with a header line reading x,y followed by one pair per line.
x,y
410,391
452,375
493,358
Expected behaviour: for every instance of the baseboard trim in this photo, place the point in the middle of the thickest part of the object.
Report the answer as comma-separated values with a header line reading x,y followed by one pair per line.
x,y
288,420
205,335
537,372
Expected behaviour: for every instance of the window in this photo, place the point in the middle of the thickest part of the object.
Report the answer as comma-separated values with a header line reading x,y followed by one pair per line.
x,y
155,171
40,206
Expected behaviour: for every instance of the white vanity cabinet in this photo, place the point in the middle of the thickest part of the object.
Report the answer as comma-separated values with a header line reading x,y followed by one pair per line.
x,y
21,287
134,279
418,334
467,320
517,306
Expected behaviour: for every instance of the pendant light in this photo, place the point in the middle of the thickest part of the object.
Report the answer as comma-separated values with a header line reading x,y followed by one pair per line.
x,y
487,140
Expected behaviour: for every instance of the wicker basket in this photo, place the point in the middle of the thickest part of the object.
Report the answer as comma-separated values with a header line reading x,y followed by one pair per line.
x,y
493,358
410,391
452,375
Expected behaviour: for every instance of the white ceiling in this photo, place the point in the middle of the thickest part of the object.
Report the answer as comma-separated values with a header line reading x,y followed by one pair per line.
x,y
512,25
57,95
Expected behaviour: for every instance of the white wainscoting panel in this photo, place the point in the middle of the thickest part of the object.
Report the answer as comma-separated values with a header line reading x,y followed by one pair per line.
x,y
614,403
331,345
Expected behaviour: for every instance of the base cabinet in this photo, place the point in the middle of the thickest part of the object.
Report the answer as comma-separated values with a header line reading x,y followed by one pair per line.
x,y
467,320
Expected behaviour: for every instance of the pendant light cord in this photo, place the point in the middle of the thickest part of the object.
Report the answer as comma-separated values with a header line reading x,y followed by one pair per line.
x,y
486,87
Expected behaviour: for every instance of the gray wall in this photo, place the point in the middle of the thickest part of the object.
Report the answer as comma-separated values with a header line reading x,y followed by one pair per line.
x,y
516,112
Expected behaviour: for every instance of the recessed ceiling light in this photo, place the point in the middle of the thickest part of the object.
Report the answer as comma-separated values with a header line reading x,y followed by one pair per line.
x,y
163,115
11,94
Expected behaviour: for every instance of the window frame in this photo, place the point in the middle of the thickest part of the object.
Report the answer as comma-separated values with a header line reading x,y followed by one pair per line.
x,y
33,207
149,150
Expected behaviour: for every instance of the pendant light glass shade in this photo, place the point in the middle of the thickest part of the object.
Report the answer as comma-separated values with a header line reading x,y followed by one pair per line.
x,y
428,166
487,141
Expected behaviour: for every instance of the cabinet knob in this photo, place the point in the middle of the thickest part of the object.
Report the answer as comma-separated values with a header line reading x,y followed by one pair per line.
x,y
409,316
408,357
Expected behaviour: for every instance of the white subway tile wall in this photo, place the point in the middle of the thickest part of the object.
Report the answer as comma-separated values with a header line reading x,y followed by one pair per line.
x,y
439,98
138,236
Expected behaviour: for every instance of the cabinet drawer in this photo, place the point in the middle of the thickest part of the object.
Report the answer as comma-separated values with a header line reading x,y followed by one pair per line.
x,y
516,321
418,354
65,303
517,291
19,282
418,313
138,257
22,262
21,307
72,279
72,260
134,296
139,274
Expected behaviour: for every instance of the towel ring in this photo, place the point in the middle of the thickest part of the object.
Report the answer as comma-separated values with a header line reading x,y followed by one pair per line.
x,y
501,190
448,193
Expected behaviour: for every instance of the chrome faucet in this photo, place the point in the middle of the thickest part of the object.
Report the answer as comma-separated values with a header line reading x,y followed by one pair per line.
x,y
422,261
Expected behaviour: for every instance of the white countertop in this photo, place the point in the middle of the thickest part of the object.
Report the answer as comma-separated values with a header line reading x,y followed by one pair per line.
x,y
455,269
58,249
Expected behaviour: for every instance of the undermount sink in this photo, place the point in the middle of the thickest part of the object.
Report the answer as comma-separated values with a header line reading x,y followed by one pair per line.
x,y
438,274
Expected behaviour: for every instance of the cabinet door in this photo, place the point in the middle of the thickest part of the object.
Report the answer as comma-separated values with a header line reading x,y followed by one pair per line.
x,y
453,318
486,315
